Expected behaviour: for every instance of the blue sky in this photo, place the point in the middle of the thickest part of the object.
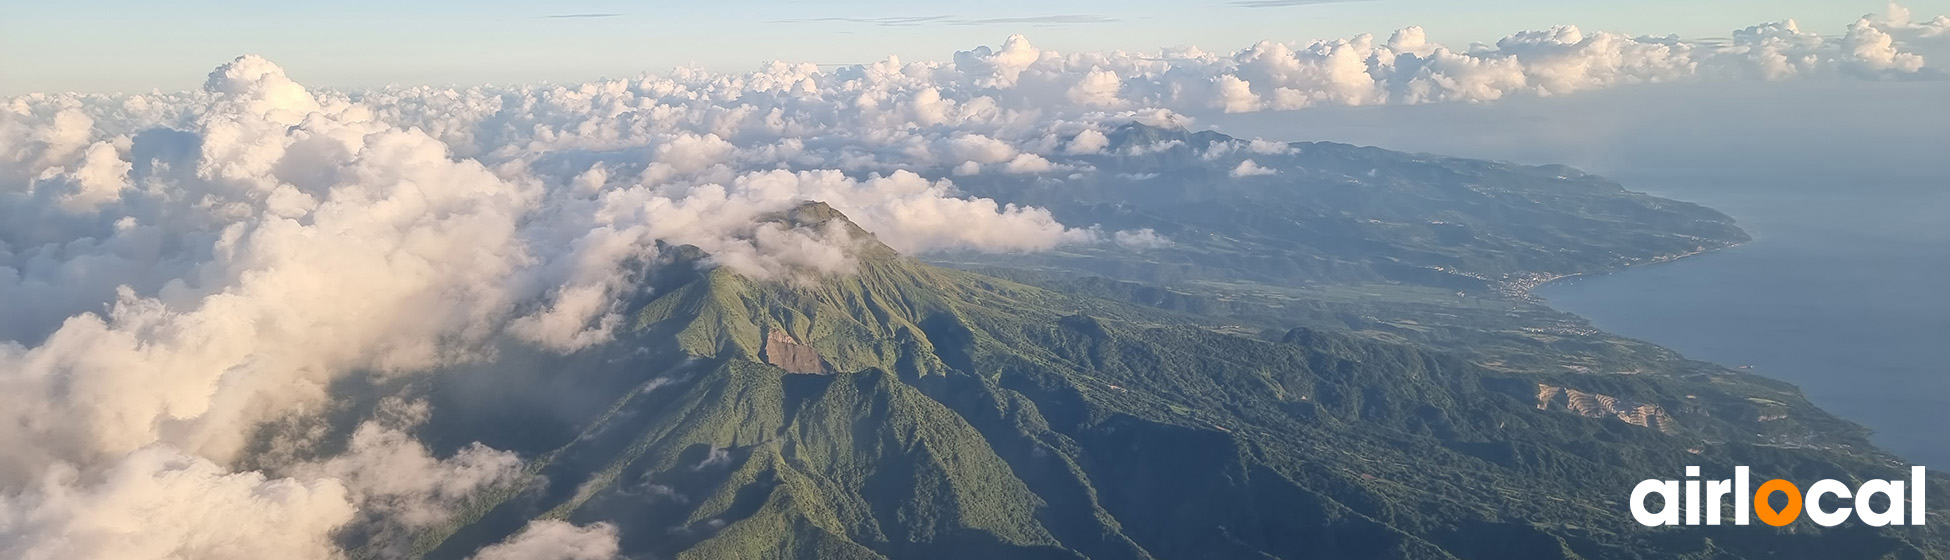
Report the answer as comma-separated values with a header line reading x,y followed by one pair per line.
x,y
120,45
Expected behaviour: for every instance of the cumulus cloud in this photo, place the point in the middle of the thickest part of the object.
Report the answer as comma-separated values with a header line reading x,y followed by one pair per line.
x,y
277,203
397,484
1089,141
556,540
1898,19
980,149
307,242
1248,168
282,208
1028,163
160,503
177,269
178,276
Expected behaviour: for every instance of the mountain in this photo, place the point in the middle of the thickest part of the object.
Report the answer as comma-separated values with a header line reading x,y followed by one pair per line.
x,y
1433,251
905,410
1327,212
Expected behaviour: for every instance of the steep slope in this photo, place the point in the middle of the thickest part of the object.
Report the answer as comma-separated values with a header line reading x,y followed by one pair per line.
x,y
972,417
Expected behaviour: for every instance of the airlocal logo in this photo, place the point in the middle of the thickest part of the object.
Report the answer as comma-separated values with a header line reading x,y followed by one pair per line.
x,y
1757,501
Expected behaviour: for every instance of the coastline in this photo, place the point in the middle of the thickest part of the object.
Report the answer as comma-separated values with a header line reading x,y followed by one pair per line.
x,y
1527,287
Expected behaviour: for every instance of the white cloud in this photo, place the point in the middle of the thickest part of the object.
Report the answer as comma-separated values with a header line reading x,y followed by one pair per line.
x,y
270,241
980,149
1873,49
1089,141
556,540
399,487
176,269
280,215
1141,239
1897,18
717,457
161,504
1267,147
1247,168
1027,163
1097,88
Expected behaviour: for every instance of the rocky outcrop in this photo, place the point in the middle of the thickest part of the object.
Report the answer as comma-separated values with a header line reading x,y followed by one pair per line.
x,y
1593,405
787,353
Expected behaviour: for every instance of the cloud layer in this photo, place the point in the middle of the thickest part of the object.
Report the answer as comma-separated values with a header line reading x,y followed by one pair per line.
x,y
178,270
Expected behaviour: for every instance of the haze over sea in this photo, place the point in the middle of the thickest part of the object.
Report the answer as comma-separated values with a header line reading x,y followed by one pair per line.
x,y
1842,292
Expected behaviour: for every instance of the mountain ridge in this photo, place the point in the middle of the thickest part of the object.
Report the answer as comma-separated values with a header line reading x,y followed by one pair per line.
x,y
972,417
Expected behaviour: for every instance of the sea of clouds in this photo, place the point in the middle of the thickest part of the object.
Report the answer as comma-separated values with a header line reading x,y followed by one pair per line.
x,y
179,269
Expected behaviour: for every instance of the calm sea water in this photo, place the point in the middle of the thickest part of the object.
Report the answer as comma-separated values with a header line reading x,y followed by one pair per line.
x,y
1843,292
1845,185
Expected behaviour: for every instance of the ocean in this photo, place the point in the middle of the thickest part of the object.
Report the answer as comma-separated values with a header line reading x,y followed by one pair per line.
x,y
1842,292
1845,185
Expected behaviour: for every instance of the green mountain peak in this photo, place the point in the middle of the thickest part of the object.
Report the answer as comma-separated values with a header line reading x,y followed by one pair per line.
x,y
817,215
903,410
868,317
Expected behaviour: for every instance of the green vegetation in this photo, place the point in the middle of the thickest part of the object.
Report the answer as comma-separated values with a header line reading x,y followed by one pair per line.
x,y
1267,386
1340,213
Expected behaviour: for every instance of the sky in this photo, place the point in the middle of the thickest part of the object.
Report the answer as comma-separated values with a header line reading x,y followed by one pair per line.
x,y
128,46
174,266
